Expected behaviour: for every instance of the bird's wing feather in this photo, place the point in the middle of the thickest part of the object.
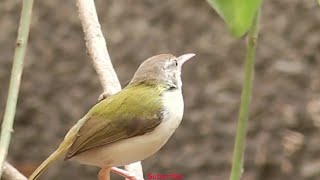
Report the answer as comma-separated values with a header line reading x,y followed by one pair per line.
x,y
115,123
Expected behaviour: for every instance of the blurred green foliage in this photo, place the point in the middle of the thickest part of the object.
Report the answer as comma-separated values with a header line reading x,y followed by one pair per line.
x,y
237,14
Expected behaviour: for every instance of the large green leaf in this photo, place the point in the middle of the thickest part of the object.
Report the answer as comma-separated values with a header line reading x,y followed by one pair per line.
x,y
238,14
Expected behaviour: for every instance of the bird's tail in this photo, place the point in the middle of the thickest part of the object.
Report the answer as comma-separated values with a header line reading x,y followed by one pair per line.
x,y
53,157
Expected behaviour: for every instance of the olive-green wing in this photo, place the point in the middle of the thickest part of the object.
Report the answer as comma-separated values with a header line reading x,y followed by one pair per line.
x,y
101,129
108,133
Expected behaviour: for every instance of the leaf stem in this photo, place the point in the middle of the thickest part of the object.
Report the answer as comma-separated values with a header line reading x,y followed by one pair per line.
x,y
15,80
238,153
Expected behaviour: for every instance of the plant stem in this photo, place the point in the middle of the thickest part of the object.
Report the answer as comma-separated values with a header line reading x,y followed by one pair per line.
x,y
238,153
15,80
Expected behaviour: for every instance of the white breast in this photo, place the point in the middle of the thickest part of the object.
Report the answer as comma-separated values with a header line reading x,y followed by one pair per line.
x,y
139,147
173,103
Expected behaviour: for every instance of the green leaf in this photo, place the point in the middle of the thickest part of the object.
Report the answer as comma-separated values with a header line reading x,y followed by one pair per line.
x,y
238,14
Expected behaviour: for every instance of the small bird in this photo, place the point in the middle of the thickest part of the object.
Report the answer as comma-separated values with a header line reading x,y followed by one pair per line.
x,y
130,125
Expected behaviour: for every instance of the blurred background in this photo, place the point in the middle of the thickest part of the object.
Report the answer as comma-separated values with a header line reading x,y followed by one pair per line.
x,y
59,85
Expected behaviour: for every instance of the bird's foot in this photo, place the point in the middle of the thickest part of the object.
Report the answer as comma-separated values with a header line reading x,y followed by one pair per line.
x,y
125,174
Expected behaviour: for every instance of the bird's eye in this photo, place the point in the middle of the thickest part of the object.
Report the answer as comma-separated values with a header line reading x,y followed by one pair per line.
x,y
176,62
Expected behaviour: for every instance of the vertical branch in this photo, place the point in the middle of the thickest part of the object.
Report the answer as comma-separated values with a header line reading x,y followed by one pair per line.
x,y
135,168
96,46
98,52
15,80
238,153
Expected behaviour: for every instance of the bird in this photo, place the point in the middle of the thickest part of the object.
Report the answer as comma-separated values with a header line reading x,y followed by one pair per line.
x,y
130,125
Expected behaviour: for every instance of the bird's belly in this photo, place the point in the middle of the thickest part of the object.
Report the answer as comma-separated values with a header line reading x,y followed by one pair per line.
x,y
129,150
140,147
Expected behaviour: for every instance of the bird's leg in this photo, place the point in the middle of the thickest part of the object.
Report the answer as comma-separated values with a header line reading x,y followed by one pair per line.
x,y
125,174
104,174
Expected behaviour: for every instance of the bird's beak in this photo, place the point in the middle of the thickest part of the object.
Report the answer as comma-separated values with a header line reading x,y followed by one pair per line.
x,y
183,58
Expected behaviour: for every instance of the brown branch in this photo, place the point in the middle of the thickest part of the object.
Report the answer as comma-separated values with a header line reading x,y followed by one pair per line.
x,y
11,173
98,52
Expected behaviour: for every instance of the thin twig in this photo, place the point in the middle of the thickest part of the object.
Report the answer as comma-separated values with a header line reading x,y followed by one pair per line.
x,y
238,153
11,173
98,52
16,73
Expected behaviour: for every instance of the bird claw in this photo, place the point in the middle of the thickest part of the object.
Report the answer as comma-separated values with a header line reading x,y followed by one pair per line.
x,y
132,177
125,174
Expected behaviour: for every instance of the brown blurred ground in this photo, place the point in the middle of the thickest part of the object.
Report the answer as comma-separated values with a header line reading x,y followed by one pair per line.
x,y
59,84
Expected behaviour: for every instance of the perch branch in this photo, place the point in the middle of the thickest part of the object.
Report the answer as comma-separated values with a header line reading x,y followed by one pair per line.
x,y
11,173
98,52
135,168
96,46
238,153
17,67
